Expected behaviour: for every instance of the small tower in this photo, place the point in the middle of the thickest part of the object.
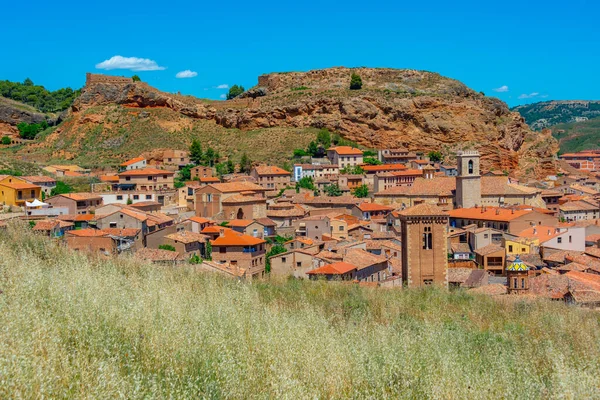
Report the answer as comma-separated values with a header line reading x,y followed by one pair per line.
x,y
468,181
428,172
517,275
424,245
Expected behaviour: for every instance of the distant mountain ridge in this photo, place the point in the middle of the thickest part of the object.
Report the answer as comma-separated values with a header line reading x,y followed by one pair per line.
x,y
548,113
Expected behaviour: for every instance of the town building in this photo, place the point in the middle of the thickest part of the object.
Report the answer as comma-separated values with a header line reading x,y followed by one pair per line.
x,y
175,159
45,182
517,274
240,250
134,163
579,210
468,180
491,258
315,171
201,171
235,200
146,179
396,156
503,219
271,178
424,245
76,203
15,191
345,156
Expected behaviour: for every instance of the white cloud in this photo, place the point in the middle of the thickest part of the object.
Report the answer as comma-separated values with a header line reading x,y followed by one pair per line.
x,y
223,86
186,74
501,89
529,96
223,96
130,63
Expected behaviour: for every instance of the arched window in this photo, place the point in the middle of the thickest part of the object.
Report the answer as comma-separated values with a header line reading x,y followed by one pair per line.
x,y
470,166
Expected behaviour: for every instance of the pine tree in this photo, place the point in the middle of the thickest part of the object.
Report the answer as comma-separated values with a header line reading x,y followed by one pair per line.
x,y
196,152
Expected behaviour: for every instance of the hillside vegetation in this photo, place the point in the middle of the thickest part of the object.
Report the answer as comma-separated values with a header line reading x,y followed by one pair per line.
x,y
74,327
38,96
578,136
549,113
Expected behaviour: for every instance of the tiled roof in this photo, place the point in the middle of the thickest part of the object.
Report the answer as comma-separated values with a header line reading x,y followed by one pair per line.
x,y
200,220
85,217
132,161
337,268
19,185
592,238
145,204
157,255
270,170
577,206
146,171
45,225
384,167
38,179
264,221
109,178
584,189
460,247
560,256
362,258
231,187
73,174
593,251
240,198
209,179
493,289
369,207
379,244
423,209
126,232
232,238
81,196
87,233
459,274
439,186
241,223
489,249
340,200
541,232
346,150
187,237
488,213
283,213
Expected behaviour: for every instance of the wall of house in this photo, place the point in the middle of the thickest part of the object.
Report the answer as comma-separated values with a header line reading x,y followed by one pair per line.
x,y
248,210
120,221
254,263
63,202
91,244
149,182
123,197
296,264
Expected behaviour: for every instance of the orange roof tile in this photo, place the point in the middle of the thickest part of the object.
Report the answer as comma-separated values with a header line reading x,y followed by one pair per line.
x,y
384,167
109,178
38,178
81,196
337,268
232,238
241,223
200,220
422,209
209,179
126,232
87,233
132,161
346,150
270,170
541,232
488,213
85,217
368,207
45,225
19,185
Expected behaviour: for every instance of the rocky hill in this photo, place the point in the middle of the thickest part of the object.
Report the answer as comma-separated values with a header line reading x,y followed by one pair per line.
x,y
548,113
415,109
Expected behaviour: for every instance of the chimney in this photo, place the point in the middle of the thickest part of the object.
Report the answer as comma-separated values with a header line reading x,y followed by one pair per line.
x,y
497,211
221,232
534,231
512,211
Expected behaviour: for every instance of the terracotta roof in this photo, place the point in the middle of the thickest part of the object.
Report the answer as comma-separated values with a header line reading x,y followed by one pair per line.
x,y
241,223
85,217
158,255
592,238
109,178
232,238
145,204
488,213
126,232
541,232
132,161
584,189
187,237
423,209
551,193
337,268
270,170
384,167
560,256
38,179
380,244
231,187
283,213
592,251
240,198
209,179
578,205
346,150
362,258
459,274
200,220
489,249
81,196
460,247
493,289
368,207
19,185
264,221
45,225
340,200
73,174
87,233
146,171
214,229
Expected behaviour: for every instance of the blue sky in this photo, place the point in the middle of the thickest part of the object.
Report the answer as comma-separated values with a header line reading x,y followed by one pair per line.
x,y
528,50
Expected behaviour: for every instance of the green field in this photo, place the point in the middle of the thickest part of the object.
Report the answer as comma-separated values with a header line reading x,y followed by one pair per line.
x,y
73,327
578,136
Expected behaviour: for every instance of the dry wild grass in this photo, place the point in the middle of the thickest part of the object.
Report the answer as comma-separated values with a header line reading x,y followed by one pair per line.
x,y
73,327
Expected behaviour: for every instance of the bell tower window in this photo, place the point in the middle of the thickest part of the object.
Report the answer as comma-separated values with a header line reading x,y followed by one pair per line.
x,y
470,166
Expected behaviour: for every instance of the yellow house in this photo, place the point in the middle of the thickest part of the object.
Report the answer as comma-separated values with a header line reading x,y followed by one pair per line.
x,y
15,191
520,246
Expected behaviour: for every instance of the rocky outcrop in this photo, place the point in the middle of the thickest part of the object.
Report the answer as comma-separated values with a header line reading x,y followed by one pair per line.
x,y
414,109
13,113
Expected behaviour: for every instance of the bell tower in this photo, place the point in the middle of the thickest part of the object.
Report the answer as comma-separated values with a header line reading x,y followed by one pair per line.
x,y
468,181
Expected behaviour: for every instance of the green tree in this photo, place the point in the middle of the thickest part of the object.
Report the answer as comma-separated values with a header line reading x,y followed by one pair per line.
x,y
313,149
208,251
371,161
300,153
221,169
61,188
27,82
245,164
136,78
369,153
129,201
361,191
210,157
230,167
235,91
196,155
435,156
166,247
306,183
5,140
195,259
333,190
324,138
355,82
352,170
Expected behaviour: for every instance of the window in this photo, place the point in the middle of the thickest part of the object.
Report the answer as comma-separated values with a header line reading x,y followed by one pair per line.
x,y
485,235
427,238
570,239
510,248
119,197
164,177
148,196
121,215
559,240
522,283
113,224
33,194
470,166
149,178
427,282
341,228
127,178
222,250
136,197
515,283
298,264
283,259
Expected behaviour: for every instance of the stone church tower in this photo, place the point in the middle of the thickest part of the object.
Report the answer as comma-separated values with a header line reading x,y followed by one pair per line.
x,y
424,246
468,181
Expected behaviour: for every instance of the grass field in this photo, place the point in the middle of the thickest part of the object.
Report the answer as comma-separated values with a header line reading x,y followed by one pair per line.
x,y
73,327
578,136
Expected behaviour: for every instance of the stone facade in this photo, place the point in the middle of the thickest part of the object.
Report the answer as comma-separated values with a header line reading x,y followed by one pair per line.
x,y
468,181
91,79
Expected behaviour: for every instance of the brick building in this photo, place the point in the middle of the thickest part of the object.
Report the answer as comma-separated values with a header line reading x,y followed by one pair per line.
x,y
240,250
271,178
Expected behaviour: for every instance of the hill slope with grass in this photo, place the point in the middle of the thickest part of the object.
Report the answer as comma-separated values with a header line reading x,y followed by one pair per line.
x,y
74,327
549,113
577,136
416,109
